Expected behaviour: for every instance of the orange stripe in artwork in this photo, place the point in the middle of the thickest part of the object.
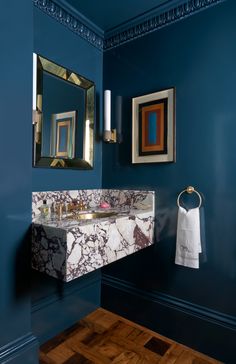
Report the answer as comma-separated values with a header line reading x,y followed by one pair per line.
x,y
159,146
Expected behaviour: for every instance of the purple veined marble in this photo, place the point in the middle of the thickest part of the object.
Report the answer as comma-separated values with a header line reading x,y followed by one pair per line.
x,y
92,198
68,249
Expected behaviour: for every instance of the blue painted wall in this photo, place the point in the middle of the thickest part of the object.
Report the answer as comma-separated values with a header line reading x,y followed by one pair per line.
x,y
197,56
56,306
15,192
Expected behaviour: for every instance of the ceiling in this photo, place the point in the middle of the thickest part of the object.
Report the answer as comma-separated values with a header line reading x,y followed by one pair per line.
x,y
109,14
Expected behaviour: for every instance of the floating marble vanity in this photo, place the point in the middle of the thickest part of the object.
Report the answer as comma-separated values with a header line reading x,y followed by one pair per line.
x,y
69,247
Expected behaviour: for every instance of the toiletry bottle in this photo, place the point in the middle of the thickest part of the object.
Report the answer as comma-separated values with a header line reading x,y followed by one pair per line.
x,y
45,210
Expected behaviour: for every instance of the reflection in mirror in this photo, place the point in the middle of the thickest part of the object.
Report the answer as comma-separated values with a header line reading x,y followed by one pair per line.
x,y
63,117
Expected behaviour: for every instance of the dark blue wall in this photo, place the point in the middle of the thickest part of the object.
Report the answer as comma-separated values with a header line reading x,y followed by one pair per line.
x,y
198,57
56,306
15,192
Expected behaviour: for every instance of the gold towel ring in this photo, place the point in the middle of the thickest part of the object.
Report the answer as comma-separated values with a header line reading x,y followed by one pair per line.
x,y
190,189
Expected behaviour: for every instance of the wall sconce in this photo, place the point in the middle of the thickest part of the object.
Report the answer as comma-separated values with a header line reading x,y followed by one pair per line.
x,y
37,119
112,135
36,104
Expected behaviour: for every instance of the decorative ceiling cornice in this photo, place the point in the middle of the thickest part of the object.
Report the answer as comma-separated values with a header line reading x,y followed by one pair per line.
x,y
71,22
158,21
121,35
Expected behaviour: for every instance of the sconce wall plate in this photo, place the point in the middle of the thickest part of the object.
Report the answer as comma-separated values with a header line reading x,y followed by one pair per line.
x,y
109,136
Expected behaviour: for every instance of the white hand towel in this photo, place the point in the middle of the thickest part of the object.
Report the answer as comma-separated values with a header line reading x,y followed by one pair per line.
x,y
188,240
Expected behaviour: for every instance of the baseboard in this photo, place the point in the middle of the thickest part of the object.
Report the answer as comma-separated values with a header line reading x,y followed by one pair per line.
x,y
204,313
203,329
55,313
22,350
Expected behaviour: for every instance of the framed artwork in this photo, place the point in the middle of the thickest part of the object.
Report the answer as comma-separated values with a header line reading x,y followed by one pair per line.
x,y
63,135
153,127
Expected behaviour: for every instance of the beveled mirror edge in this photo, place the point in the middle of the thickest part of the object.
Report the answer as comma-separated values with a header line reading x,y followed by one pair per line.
x,y
89,119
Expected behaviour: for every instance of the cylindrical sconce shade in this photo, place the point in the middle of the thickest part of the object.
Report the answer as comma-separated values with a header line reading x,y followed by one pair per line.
x,y
107,110
34,98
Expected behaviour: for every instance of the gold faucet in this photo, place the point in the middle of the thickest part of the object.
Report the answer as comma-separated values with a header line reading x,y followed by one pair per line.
x,y
81,205
58,210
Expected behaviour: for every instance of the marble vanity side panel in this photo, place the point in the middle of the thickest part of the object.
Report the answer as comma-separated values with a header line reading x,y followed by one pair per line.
x,y
92,246
49,250
84,250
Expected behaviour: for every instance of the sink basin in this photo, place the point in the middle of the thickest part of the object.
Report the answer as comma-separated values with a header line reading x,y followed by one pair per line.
x,y
91,215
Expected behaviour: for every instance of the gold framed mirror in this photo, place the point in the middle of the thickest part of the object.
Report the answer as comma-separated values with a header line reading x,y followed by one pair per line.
x,y
63,117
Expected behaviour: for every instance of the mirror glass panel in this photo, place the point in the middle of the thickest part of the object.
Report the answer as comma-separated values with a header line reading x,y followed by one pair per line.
x,y
63,117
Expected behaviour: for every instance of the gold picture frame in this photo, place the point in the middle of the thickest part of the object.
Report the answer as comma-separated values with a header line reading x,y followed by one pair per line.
x,y
63,135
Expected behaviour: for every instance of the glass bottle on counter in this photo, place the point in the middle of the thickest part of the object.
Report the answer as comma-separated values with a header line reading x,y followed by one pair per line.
x,y
45,210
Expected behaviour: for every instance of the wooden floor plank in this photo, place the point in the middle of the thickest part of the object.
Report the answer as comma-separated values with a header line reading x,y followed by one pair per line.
x,y
43,359
91,354
99,320
134,334
78,336
60,354
142,339
106,338
123,330
78,359
129,357
143,353
172,354
133,324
